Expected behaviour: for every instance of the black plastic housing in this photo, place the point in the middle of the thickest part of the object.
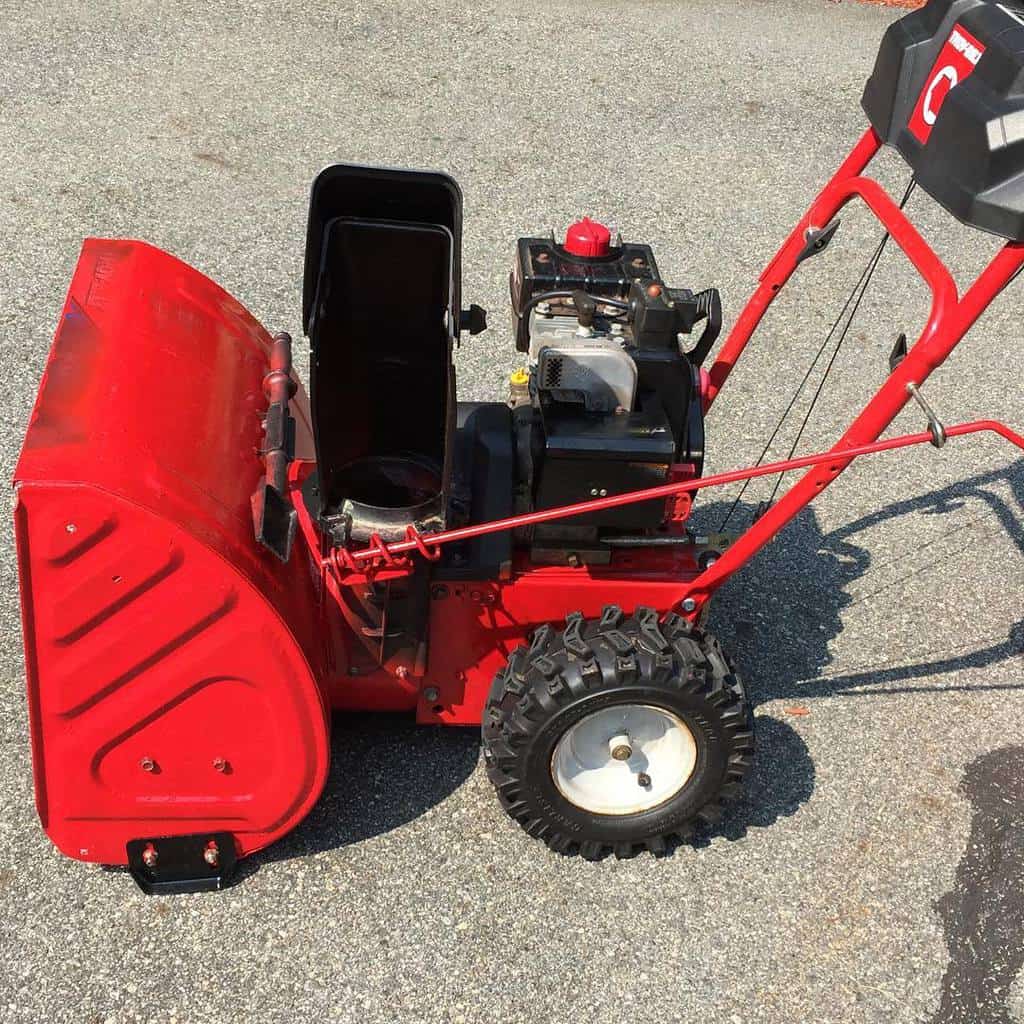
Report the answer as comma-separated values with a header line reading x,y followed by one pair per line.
x,y
381,307
972,162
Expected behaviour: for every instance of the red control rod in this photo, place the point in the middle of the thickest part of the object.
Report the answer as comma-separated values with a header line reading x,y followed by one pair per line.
x,y
432,541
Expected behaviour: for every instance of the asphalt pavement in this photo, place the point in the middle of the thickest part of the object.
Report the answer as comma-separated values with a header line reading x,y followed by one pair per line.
x,y
872,871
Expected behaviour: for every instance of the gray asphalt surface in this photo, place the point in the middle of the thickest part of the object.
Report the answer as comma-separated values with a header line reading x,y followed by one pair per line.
x,y
837,889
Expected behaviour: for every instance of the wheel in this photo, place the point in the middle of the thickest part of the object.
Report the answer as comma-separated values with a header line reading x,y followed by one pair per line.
x,y
617,734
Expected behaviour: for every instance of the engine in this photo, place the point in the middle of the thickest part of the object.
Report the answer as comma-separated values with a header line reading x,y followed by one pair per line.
x,y
611,399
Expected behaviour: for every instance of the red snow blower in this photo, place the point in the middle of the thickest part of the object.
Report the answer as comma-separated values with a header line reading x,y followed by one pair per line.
x,y
211,563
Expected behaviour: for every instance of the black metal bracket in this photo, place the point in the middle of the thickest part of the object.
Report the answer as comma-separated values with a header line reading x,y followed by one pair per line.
x,y
169,865
899,351
816,240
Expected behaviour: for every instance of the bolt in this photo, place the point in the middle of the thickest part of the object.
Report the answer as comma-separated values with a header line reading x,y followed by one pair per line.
x,y
439,592
211,854
430,694
637,261
149,856
604,493
544,308
71,527
543,257
220,764
654,290
147,764
616,328
593,492
402,672
573,559
643,779
689,604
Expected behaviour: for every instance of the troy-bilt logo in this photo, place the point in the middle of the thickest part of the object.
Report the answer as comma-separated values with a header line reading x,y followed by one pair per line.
x,y
957,59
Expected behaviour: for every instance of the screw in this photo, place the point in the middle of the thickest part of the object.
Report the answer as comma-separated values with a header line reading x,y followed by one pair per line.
x,y
643,779
689,604
147,764
430,694
149,856
220,764
71,527
211,854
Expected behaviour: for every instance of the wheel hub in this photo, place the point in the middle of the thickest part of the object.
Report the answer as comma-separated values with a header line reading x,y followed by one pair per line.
x,y
624,759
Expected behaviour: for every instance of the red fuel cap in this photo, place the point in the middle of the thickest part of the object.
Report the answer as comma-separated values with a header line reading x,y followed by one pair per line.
x,y
588,238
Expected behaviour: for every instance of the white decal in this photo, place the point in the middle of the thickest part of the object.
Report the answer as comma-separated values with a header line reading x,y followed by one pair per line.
x,y
948,73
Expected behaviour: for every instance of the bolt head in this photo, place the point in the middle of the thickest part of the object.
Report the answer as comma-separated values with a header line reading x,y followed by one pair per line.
x,y
220,764
623,752
147,764
211,854
643,779
71,528
402,672
150,856
430,694
689,604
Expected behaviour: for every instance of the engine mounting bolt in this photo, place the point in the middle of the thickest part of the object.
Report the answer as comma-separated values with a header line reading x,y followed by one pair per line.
x,y
211,854
402,672
150,856
654,290
71,528
643,779
430,694
688,604
147,764
220,764
620,748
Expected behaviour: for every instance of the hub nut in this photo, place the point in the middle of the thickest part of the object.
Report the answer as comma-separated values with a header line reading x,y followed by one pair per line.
x,y
620,748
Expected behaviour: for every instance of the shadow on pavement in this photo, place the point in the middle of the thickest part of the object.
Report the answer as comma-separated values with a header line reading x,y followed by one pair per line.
x,y
385,771
778,615
781,780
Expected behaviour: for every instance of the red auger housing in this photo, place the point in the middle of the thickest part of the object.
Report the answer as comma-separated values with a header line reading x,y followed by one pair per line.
x,y
212,564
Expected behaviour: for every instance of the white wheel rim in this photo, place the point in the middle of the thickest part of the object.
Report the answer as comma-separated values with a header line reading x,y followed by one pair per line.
x,y
624,759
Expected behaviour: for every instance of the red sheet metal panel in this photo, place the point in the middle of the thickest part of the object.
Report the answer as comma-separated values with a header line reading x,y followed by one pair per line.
x,y
172,664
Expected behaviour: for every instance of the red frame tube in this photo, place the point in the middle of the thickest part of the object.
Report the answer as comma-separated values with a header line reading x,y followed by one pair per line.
x,y
948,321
